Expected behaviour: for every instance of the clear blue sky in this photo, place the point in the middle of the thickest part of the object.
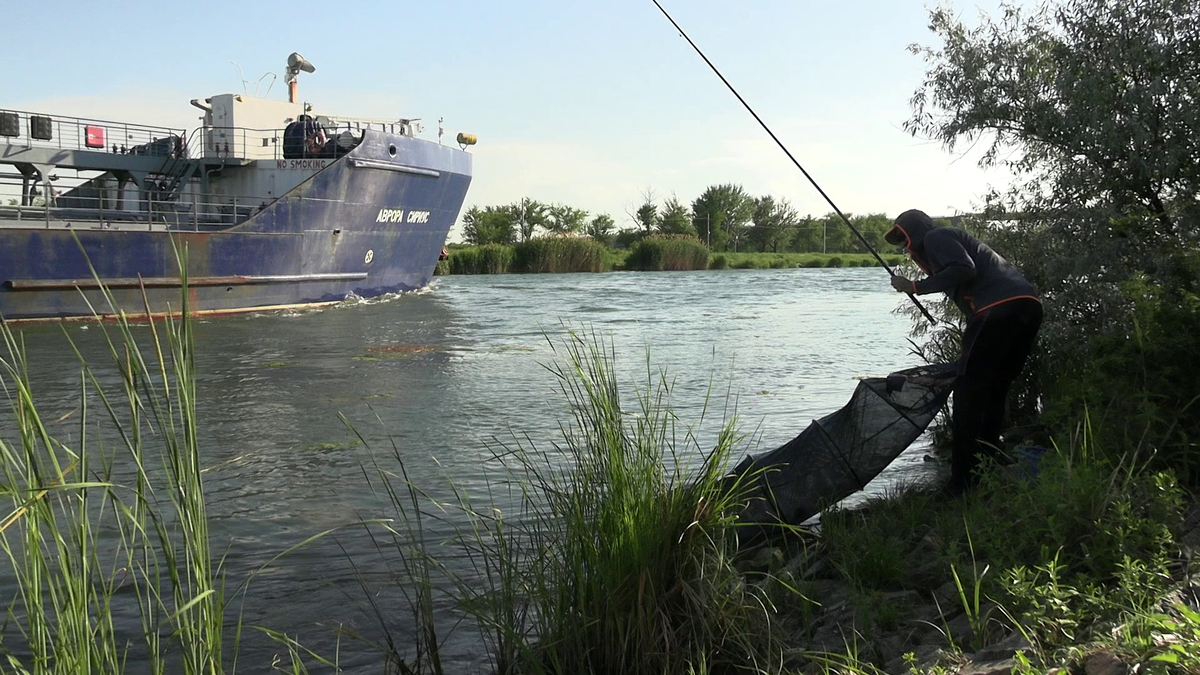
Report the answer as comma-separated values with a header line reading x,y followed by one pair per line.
x,y
583,103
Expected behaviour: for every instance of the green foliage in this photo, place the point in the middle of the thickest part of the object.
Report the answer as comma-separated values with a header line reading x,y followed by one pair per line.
x,y
488,259
774,224
1092,94
601,228
562,219
646,214
620,562
1082,543
834,261
676,219
662,252
84,548
528,215
1144,638
626,238
1088,104
490,225
721,213
1140,381
718,262
559,254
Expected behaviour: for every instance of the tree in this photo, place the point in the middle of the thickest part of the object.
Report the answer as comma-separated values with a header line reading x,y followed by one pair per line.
x,y
528,215
645,216
1093,102
490,225
601,228
675,218
773,224
808,236
1092,106
872,227
563,220
721,213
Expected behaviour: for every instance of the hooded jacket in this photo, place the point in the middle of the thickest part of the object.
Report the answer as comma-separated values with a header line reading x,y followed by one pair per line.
x,y
959,265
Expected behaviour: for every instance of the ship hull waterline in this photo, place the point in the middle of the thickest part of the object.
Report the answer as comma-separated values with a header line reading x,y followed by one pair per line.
x,y
370,223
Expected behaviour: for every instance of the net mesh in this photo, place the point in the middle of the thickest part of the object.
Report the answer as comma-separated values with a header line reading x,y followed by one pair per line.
x,y
838,454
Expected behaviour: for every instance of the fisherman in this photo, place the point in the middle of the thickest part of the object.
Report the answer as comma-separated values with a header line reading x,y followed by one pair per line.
x,y
1003,316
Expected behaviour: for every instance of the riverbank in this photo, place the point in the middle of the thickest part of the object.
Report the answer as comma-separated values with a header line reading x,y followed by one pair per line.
x,y
501,259
874,585
1063,562
1080,569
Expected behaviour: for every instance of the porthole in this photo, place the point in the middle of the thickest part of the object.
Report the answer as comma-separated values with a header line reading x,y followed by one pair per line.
x,y
392,150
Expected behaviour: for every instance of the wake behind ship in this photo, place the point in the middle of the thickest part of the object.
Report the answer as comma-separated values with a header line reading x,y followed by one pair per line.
x,y
276,205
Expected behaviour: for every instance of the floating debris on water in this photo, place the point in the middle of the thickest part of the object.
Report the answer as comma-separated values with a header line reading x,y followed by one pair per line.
x,y
344,445
405,349
381,352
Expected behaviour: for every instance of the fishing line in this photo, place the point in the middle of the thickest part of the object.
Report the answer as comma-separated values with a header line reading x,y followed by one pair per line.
x,y
794,161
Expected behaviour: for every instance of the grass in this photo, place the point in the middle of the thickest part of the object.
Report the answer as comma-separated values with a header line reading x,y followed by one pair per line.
x,y
114,524
489,259
1073,556
661,252
612,553
560,254
83,543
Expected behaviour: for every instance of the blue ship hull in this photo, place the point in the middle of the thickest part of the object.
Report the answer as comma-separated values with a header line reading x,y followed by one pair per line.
x,y
372,222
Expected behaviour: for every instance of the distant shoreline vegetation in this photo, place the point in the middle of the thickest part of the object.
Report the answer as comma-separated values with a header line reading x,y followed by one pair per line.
x,y
725,227
559,255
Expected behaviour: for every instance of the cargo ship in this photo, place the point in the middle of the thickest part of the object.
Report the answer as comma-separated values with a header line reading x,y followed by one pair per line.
x,y
270,204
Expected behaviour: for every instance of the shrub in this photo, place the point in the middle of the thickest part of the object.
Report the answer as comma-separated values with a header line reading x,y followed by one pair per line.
x,y
778,263
834,261
718,262
667,252
811,263
559,254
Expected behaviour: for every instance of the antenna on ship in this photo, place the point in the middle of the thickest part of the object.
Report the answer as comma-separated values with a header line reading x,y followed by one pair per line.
x,y
295,64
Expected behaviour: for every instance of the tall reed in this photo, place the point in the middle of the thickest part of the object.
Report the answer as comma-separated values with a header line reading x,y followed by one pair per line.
x,y
487,259
667,252
81,531
559,254
614,553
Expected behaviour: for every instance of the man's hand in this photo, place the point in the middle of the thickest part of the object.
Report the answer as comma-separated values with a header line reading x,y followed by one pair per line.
x,y
903,284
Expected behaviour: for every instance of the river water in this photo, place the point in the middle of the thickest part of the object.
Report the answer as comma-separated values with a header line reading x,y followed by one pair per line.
x,y
439,376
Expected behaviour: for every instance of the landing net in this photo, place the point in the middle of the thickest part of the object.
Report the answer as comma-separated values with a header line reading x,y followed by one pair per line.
x,y
838,454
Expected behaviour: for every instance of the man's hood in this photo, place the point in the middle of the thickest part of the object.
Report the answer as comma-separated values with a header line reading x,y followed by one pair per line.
x,y
910,229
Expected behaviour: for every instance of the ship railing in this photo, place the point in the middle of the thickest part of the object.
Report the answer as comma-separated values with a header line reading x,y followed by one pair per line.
x,y
29,129
239,143
189,212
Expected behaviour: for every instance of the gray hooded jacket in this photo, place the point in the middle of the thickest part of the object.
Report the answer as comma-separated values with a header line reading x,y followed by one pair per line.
x,y
959,265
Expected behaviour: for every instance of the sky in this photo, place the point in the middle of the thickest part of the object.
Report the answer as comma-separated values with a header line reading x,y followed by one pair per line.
x,y
591,104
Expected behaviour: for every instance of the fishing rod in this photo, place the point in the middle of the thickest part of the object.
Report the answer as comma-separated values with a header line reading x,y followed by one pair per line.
x,y
787,152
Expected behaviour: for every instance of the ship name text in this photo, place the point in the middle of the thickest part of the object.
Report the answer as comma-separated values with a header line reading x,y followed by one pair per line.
x,y
401,216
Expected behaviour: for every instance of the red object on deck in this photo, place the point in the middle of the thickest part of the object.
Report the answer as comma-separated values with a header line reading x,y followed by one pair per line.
x,y
93,137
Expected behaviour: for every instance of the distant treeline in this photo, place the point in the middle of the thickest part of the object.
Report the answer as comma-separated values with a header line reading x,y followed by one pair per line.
x,y
652,253
723,218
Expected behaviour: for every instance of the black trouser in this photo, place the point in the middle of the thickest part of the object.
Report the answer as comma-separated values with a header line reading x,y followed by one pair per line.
x,y
996,344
